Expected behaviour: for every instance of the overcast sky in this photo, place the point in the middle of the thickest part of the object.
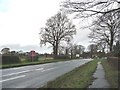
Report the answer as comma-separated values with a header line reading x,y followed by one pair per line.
x,y
21,20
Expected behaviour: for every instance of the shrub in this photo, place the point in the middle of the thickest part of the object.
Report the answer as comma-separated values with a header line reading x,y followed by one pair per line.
x,y
62,57
114,61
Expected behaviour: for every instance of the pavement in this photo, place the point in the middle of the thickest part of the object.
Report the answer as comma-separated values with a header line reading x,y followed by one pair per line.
x,y
35,76
99,75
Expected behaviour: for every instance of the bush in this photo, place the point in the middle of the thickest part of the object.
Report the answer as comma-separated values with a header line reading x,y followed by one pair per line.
x,y
10,59
62,57
114,61
24,58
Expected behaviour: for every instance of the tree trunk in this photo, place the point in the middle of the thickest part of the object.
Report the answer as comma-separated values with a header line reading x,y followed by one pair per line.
x,y
55,50
71,54
66,52
111,42
91,54
111,46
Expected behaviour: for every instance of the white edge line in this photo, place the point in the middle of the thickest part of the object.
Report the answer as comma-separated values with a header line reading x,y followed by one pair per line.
x,y
13,78
16,73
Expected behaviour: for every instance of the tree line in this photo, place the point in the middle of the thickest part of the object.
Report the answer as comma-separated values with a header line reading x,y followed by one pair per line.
x,y
105,28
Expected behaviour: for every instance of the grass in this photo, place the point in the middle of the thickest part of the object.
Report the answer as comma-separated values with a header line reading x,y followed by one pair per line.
x,y
32,63
80,77
111,74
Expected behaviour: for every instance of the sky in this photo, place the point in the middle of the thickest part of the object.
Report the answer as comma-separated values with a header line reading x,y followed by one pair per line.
x,y
21,20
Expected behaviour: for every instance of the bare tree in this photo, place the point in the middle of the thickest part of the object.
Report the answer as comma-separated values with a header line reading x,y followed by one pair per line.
x,y
86,8
78,49
106,29
74,50
93,49
81,49
58,28
101,46
107,13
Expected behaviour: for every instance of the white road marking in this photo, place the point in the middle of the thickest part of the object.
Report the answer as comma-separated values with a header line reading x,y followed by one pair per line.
x,y
39,69
19,68
16,73
13,78
20,72
47,69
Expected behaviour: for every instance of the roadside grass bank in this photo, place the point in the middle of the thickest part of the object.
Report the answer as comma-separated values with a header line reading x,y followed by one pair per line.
x,y
32,63
80,77
111,73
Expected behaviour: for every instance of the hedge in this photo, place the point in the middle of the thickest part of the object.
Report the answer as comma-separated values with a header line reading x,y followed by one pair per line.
x,y
10,59
114,61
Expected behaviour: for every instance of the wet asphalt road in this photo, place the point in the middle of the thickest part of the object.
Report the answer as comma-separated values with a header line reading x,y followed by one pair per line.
x,y
35,76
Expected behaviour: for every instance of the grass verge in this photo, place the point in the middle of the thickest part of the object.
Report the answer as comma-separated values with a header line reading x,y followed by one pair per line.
x,y
111,74
80,77
32,63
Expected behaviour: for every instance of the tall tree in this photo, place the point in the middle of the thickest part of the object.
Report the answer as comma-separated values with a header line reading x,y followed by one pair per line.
x,y
58,28
86,8
101,46
81,49
106,29
78,49
93,49
107,13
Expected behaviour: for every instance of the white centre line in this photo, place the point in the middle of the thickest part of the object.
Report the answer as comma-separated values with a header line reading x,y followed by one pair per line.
x,y
13,78
47,69
16,73
39,69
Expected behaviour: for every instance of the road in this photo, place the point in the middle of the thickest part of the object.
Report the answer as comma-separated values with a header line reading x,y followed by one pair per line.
x,y
35,76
